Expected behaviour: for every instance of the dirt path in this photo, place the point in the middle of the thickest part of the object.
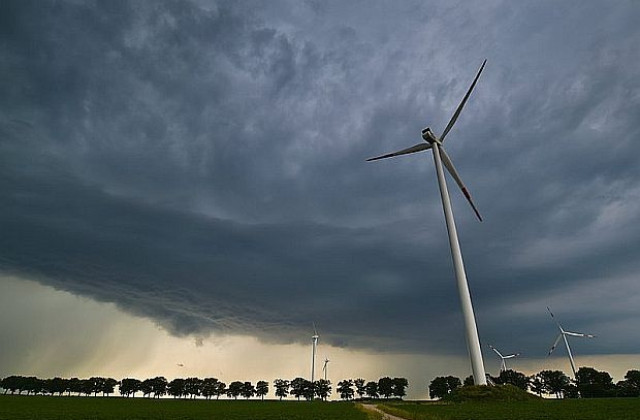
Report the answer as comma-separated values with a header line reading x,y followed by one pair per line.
x,y
385,416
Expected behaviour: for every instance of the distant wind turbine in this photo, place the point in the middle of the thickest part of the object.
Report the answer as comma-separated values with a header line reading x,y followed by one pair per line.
x,y
314,347
441,157
503,363
324,368
563,334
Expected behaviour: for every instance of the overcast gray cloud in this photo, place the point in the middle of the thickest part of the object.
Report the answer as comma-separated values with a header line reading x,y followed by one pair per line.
x,y
202,164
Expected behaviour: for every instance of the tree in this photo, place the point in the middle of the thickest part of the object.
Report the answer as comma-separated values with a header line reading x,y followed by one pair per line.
x,y
75,385
443,385
633,378
630,387
371,389
385,387
298,386
308,390
248,390
30,384
536,385
345,389
235,389
262,389
468,381
592,383
514,378
24,384
146,387
55,386
282,388
12,383
192,386
129,387
159,386
87,386
555,382
176,388
399,387
322,388
97,384
221,389
359,384
108,386
571,391
210,388
36,385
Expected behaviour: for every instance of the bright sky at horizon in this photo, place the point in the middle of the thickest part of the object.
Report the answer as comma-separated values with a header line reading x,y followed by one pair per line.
x,y
85,338
187,180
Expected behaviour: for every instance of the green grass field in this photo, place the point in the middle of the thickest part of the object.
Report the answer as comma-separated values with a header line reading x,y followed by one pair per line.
x,y
75,408
88,408
570,409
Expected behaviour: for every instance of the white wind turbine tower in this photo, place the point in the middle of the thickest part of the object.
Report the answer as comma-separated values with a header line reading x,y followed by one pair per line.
x,y
440,157
563,334
314,344
503,363
324,368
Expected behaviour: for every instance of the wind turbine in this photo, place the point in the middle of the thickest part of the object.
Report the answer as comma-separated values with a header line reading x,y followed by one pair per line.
x,y
314,344
324,368
440,157
503,364
563,334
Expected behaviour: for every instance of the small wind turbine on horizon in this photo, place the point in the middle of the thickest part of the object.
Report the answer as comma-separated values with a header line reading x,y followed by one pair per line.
x,y
503,363
440,157
314,344
563,334
324,368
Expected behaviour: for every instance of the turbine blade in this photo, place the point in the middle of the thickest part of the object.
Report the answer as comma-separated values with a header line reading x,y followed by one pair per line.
x,y
495,349
554,320
555,344
413,149
511,356
576,334
464,100
446,160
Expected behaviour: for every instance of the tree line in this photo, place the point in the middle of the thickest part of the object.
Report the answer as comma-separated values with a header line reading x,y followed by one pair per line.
x,y
385,387
206,388
589,383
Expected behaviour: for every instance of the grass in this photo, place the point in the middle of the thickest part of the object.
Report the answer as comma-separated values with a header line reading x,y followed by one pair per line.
x,y
371,415
573,409
483,393
89,408
16,407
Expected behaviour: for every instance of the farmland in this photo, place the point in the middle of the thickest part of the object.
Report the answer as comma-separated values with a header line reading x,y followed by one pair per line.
x,y
567,409
54,408
15,407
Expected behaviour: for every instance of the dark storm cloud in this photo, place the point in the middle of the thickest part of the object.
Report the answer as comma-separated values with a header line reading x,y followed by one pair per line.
x,y
202,164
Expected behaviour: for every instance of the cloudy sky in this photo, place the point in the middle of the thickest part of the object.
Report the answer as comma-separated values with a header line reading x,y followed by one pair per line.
x,y
185,183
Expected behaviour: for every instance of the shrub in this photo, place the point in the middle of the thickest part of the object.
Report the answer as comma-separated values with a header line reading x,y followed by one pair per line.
x,y
489,393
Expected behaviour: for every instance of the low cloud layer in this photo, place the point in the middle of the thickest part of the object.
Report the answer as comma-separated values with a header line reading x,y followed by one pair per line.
x,y
202,164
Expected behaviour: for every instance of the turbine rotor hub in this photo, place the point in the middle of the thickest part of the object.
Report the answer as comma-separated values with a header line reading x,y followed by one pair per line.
x,y
428,136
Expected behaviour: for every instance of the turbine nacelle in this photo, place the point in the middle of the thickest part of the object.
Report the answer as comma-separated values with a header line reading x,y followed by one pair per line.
x,y
428,136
